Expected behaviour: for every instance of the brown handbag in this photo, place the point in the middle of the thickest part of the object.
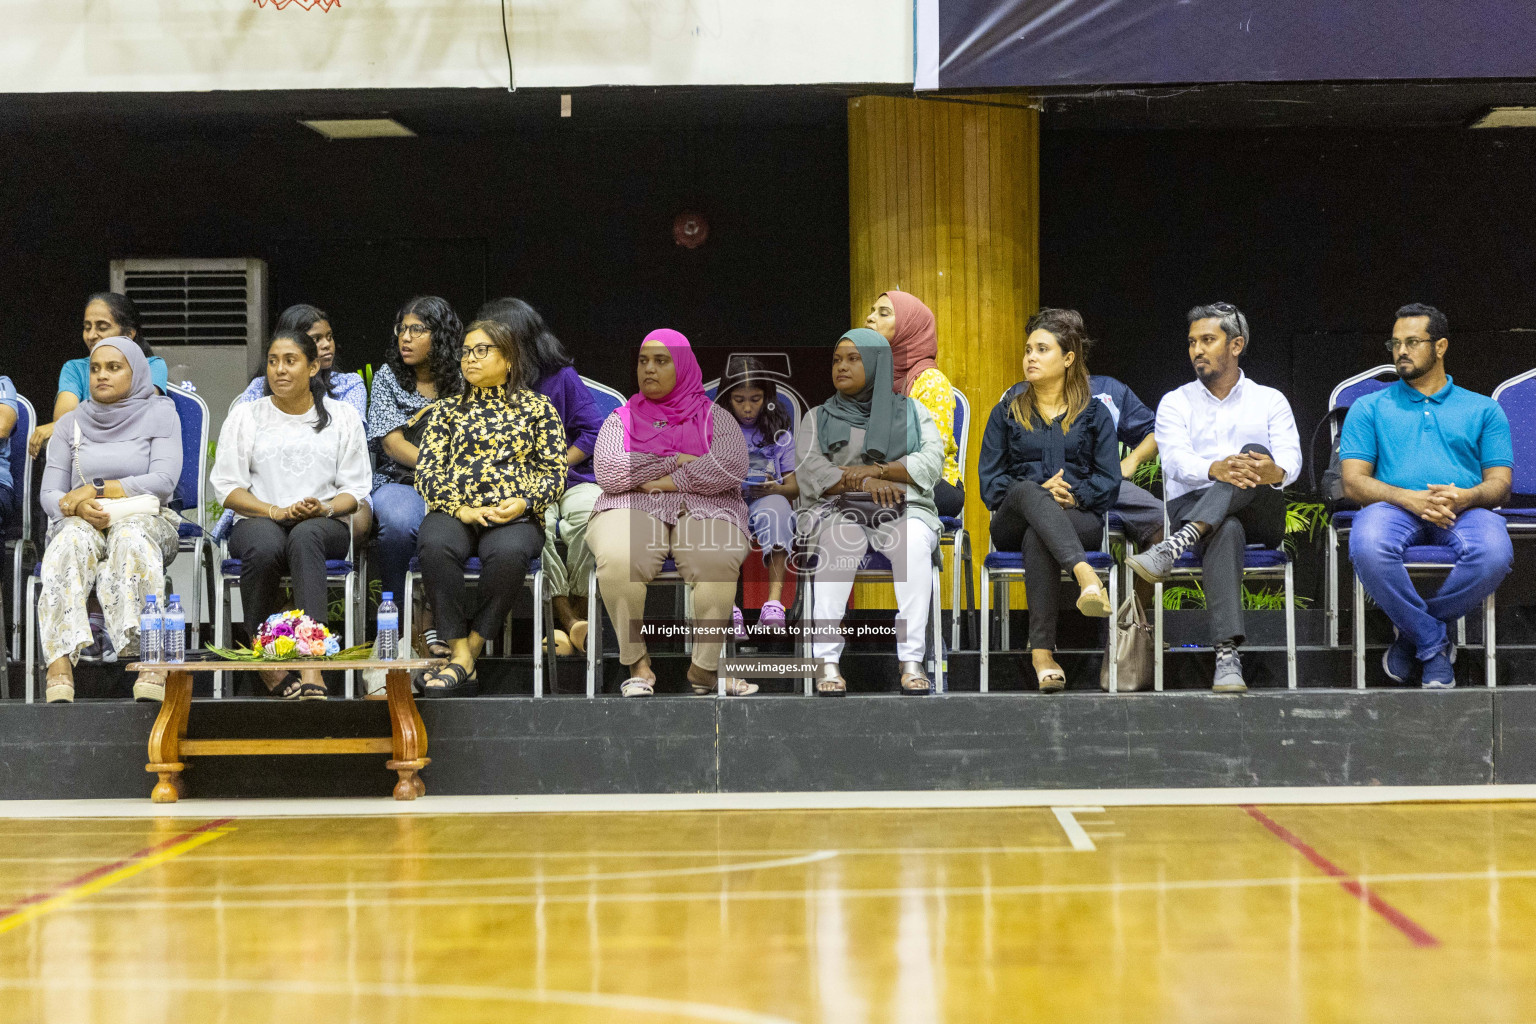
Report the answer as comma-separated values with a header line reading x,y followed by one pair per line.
x,y
1130,647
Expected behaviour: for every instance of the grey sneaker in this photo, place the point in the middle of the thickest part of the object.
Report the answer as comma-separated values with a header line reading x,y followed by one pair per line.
x,y
1229,671
1155,564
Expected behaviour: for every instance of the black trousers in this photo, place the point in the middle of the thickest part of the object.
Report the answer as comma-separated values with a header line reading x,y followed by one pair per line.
x,y
1237,517
950,498
1051,538
269,550
444,544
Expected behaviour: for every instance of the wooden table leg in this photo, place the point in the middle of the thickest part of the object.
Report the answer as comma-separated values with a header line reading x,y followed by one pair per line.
x,y
165,739
409,734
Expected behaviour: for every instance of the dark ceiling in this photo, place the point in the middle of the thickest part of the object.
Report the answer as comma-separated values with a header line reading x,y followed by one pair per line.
x,y
468,112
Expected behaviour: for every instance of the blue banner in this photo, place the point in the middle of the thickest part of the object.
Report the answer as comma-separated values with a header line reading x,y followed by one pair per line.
x,y
984,44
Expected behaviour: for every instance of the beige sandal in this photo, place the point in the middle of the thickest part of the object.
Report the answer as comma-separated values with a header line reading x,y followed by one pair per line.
x,y
733,687
60,690
830,682
914,679
149,686
1093,603
563,644
635,686
1052,680
578,635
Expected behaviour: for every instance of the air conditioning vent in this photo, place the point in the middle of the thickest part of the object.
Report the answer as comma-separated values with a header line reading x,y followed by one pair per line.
x,y
196,301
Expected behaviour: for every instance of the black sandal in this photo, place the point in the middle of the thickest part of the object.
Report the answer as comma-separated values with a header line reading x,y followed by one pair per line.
x,y
451,681
435,647
290,688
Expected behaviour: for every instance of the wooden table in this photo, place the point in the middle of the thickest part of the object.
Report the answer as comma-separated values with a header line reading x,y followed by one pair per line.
x,y
169,747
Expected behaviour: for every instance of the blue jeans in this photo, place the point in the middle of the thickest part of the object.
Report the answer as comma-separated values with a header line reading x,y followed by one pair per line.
x,y
398,510
1484,555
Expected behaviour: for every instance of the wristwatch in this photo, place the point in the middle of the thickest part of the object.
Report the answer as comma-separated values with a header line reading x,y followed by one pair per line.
x,y
100,483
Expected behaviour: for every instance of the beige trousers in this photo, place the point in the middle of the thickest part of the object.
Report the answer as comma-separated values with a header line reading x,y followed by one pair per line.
x,y
629,546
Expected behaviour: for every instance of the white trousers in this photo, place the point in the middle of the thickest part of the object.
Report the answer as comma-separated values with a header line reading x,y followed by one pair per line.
x,y
841,545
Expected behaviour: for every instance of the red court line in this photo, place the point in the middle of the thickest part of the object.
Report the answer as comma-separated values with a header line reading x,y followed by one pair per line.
x,y
108,868
1350,884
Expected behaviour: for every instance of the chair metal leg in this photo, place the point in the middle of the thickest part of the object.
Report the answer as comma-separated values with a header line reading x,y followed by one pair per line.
x,y
954,592
221,612
594,634
1490,649
1004,615
538,634
407,612
349,616
807,587
1157,637
195,641
1359,634
1112,581
31,642
936,617
1331,588
16,595
986,627
1290,627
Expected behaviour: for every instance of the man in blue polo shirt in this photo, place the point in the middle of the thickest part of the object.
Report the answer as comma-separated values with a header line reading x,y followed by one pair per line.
x,y
1426,460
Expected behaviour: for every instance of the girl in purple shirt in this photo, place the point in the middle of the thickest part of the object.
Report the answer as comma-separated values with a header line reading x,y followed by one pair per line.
x,y
770,485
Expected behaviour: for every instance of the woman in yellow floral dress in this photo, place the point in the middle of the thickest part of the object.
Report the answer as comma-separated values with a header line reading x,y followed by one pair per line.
x,y
492,460
903,320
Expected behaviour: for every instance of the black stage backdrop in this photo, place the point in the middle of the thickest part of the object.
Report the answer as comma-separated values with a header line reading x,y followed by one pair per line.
x,y
1318,234
578,222
1008,43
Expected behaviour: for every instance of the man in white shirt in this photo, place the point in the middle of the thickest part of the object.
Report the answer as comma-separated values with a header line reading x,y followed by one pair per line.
x,y
1228,445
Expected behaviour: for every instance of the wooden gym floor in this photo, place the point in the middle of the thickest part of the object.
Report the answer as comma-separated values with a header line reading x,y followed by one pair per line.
x,y
1401,913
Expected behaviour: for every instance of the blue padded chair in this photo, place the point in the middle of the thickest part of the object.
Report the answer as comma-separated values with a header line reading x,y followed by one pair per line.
x,y
189,499
543,619
1001,568
1345,395
18,528
1259,562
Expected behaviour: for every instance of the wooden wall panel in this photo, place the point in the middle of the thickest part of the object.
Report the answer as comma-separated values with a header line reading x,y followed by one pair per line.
x,y
944,203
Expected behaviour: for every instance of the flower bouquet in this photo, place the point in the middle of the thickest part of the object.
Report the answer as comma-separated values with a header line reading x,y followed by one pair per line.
x,y
294,636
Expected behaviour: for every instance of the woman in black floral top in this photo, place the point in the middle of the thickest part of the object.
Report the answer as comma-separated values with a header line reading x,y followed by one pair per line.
x,y
492,460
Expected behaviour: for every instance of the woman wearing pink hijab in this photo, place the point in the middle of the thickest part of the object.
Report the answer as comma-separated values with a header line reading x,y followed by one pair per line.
x,y
903,320
671,464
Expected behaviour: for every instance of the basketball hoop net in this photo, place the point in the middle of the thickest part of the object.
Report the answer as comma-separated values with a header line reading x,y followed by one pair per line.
x,y
308,5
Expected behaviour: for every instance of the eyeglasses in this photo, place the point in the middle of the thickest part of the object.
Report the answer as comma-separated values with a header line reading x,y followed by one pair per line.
x,y
1395,345
414,330
477,353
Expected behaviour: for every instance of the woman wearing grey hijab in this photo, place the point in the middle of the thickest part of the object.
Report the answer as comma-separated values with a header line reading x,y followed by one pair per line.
x,y
866,462
124,442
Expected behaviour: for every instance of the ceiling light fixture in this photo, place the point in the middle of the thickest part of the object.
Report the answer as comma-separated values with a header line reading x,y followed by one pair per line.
x,y
361,128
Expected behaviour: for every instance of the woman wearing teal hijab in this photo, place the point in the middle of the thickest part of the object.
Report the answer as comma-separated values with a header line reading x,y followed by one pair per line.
x,y
870,447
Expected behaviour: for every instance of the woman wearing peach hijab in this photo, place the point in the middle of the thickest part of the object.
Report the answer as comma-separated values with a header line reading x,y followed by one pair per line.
x,y
903,320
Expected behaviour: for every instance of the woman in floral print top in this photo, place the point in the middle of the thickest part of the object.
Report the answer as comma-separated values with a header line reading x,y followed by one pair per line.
x,y
491,461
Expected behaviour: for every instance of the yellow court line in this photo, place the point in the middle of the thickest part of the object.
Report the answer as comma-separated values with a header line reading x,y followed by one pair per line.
x,y
79,892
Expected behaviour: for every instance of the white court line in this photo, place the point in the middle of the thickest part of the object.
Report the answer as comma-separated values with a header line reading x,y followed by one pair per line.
x,y
408,856
105,902
636,802
382,990
1067,817
449,883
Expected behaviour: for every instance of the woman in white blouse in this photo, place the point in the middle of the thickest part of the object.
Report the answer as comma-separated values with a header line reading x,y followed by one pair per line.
x,y
291,466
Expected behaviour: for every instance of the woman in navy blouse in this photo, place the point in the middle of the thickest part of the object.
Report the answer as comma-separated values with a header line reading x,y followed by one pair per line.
x,y
556,379
1050,471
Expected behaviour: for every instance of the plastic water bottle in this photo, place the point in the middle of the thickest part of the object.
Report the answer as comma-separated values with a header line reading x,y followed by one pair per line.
x,y
387,644
150,630
175,630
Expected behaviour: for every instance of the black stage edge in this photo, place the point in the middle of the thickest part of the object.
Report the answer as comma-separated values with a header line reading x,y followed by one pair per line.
x,y
682,744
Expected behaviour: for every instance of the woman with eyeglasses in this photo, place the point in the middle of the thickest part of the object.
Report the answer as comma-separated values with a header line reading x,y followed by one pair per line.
x,y
422,366
491,463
